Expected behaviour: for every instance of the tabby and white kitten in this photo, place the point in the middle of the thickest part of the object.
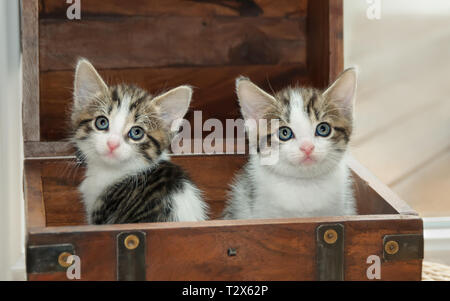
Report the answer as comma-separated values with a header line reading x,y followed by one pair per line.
x,y
310,177
123,134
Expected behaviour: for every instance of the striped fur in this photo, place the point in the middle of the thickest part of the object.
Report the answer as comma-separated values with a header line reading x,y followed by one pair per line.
x,y
134,182
146,197
294,186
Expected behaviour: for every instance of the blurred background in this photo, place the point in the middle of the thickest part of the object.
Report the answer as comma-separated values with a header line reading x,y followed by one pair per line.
x,y
402,48
403,102
12,238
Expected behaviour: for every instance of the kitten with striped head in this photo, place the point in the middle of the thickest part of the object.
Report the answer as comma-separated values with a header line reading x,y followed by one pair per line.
x,y
123,134
310,176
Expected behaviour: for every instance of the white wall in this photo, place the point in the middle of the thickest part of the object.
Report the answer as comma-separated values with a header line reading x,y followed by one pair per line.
x,y
11,153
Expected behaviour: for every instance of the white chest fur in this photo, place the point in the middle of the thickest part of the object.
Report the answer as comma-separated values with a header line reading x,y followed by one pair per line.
x,y
280,196
187,203
95,183
99,176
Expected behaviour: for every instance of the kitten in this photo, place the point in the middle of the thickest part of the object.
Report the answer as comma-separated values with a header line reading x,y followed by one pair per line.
x,y
310,177
123,134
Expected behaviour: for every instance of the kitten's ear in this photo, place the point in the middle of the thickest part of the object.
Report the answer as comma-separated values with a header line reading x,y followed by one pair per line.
x,y
87,83
173,105
343,90
253,100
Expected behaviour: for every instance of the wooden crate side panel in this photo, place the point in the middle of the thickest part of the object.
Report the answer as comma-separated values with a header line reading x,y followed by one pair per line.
x,y
97,251
391,202
363,239
196,254
368,201
325,41
136,42
336,39
35,212
63,203
273,251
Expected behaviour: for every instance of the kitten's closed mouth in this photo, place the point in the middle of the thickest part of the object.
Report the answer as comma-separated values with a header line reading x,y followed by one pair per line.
x,y
111,155
308,161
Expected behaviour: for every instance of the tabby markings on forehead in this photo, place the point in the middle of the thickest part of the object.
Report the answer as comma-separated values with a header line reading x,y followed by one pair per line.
x,y
311,108
115,96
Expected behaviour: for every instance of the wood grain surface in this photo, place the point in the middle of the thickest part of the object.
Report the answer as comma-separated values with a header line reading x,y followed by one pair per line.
x,y
265,249
229,8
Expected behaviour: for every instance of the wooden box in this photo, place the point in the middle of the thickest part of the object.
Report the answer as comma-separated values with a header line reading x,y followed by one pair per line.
x,y
160,44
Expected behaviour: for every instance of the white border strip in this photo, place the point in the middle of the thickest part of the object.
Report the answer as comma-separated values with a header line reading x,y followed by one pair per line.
x,y
437,239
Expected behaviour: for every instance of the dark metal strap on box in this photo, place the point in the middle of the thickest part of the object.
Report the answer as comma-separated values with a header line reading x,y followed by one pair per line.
x,y
48,258
131,265
397,247
330,252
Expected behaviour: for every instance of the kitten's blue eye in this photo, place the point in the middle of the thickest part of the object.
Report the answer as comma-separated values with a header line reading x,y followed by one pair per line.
x,y
102,123
136,133
285,133
323,129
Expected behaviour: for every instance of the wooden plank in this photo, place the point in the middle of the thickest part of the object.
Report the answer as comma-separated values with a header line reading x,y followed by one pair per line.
x,y
213,178
363,239
213,94
87,247
325,41
233,8
178,41
34,198
40,149
266,249
428,188
219,223
264,252
400,149
60,181
336,39
30,70
373,196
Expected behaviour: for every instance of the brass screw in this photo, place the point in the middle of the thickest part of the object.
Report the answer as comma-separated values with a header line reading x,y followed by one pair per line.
x,y
330,236
391,247
62,259
131,242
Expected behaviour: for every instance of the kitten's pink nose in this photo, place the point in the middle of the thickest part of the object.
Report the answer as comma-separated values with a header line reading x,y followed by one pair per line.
x,y
113,144
307,147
